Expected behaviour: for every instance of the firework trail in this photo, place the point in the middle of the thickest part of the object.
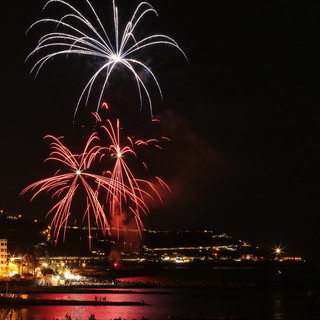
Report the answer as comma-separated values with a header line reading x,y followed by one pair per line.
x,y
138,191
65,186
75,34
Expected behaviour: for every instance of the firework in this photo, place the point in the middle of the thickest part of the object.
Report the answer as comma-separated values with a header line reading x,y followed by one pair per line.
x,y
76,34
137,191
110,196
65,186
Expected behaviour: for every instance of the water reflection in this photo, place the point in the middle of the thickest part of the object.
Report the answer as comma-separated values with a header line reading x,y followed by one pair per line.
x,y
178,304
277,307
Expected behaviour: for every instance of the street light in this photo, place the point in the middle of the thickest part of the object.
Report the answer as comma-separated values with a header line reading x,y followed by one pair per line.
x,y
278,251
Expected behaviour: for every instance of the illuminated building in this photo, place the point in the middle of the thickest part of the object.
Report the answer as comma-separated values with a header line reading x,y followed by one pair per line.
x,y
3,256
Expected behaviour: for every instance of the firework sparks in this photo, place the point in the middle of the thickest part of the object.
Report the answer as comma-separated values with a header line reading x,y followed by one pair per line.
x,y
65,186
137,191
80,36
110,196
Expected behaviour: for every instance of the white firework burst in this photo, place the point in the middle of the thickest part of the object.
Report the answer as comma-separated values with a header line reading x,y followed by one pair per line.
x,y
75,34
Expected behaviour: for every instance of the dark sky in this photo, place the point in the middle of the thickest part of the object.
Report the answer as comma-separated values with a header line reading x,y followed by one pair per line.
x,y
242,113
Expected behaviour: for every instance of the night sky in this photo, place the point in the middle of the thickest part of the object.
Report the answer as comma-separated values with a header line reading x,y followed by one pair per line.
x,y
242,114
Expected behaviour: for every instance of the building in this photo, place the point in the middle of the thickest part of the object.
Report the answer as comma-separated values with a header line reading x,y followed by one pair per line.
x,y
3,256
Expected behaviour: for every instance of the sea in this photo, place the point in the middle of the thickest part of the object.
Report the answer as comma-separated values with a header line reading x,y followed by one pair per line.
x,y
235,295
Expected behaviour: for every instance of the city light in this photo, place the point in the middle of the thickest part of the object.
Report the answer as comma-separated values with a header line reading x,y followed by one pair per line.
x,y
278,252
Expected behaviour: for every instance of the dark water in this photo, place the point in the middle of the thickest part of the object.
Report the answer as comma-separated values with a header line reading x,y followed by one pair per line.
x,y
265,303
181,303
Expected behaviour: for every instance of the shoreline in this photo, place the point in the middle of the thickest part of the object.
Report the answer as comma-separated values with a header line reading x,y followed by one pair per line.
x,y
132,281
16,301
73,289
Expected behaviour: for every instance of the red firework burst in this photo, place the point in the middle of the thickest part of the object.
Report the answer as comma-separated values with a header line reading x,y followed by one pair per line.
x,y
65,186
111,196
134,198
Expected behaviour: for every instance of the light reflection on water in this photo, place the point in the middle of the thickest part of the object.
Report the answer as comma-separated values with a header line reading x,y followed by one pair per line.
x,y
178,304
278,306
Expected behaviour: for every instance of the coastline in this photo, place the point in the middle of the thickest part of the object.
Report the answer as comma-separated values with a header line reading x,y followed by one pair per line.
x,y
127,280
17,301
